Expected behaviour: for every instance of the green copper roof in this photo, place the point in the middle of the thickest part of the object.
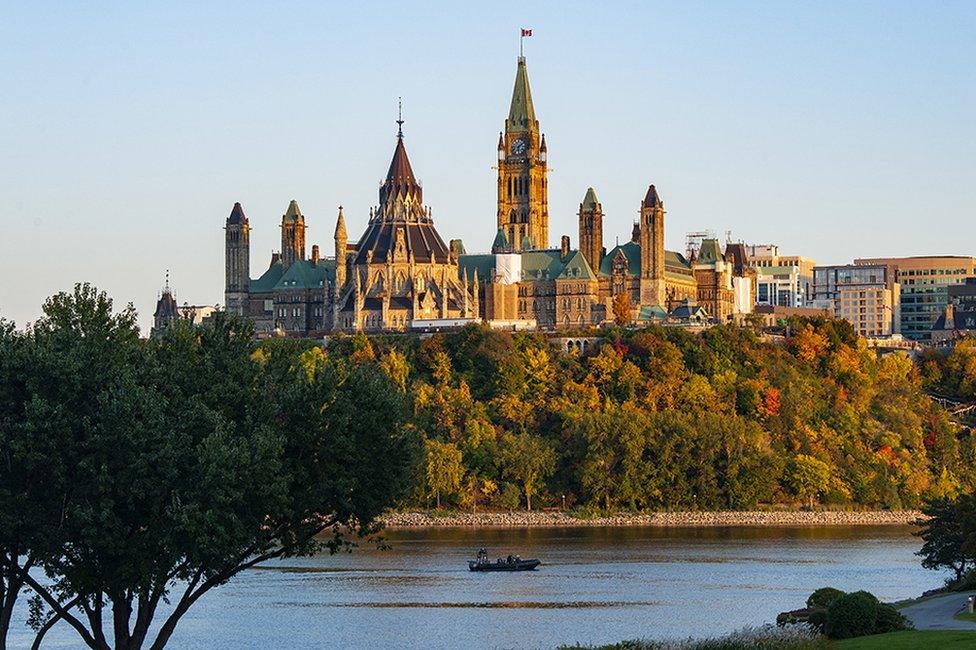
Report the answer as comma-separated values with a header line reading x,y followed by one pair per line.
x,y
576,267
266,283
675,265
521,116
501,241
302,274
484,264
294,213
630,250
652,312
590,201
710,252
526,243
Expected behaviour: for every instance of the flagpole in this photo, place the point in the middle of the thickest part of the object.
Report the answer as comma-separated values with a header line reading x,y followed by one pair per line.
x,y
521,38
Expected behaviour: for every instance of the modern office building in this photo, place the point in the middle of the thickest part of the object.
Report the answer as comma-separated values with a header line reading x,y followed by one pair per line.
x,y
924,284
959,316
866,296
781,280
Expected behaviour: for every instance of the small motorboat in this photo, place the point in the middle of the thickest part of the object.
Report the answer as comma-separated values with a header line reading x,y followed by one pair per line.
x,y
512,563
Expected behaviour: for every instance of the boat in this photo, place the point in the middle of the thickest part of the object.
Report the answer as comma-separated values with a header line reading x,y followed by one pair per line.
x,y
512,563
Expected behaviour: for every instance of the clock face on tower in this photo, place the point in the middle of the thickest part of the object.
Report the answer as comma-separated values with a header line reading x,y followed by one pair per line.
x,y
518,147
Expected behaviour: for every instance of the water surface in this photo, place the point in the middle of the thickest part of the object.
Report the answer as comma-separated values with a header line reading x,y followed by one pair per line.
x,y
596,586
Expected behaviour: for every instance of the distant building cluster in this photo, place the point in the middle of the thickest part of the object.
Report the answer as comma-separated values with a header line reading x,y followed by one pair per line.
x,y
400,275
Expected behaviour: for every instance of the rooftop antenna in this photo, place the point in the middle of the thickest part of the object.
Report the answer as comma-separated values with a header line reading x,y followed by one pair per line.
x,y
399,117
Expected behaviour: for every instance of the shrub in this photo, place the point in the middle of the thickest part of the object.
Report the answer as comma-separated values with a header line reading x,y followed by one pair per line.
x,y
852,615
822,597
817,620
890,619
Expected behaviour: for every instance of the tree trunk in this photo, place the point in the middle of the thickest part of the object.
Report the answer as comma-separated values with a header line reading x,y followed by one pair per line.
x,y
9,591
528,499
437,498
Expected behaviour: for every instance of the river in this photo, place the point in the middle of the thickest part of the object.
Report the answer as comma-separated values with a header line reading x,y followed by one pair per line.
x,y
596,585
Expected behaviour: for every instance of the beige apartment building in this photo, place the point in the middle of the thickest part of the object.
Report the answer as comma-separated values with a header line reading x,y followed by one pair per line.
x,y
924,287
865,296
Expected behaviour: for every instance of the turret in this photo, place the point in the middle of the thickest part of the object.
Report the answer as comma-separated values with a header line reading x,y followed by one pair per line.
x,y
652,248
591,229
292,235
237,261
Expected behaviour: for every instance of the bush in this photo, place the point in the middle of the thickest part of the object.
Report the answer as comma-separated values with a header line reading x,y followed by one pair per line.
x,y
817,620
852,615
890,619
821,598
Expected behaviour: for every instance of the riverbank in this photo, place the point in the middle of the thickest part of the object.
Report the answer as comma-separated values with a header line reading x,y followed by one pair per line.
x,y
658,519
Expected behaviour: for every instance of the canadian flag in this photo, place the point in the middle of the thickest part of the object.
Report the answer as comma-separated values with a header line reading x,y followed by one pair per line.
x,y
526,32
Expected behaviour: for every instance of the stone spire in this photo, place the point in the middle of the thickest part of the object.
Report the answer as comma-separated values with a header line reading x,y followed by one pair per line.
x,y
521,115
651,199
341,240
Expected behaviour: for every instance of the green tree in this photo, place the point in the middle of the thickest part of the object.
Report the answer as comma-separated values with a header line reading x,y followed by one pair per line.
x,y
944,536
808,477
528,460
444,469
183,461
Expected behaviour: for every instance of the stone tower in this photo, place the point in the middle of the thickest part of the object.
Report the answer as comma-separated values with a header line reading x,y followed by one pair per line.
x,y
652,249
237,260
591,229
341,241
292,235
523,203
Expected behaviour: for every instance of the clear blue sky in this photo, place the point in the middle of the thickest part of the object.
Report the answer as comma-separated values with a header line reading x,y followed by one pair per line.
x,y
127,132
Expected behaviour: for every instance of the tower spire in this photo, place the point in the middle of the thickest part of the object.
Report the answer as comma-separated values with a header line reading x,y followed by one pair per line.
x,y
399,118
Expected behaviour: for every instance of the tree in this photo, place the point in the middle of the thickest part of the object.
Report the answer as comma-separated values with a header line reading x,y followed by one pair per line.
x,y
808,477
529,460
188,461
444,468
622,309
943,535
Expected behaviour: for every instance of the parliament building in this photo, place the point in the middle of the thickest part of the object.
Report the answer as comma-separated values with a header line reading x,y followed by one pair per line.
x,y
400,274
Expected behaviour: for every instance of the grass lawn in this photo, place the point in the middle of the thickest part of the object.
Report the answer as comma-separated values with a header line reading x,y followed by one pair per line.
x,y
965,616
933,639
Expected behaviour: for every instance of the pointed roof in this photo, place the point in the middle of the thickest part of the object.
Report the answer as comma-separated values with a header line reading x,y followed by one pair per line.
x,y
293,213
501,242
236,215
709,252
521,115
400,178
340,231
590,201
651,199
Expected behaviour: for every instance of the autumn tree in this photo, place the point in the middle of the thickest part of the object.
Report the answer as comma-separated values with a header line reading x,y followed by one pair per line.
x,y
622,314
444,469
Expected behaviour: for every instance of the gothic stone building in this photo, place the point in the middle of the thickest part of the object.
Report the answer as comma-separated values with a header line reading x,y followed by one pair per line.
x,y
401,275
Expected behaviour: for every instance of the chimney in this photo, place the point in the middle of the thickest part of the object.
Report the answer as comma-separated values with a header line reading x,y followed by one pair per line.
x,y
315,253
275,257
635,233
564,248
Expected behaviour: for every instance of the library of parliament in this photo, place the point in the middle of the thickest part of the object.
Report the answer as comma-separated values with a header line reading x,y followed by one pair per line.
x,y
401,275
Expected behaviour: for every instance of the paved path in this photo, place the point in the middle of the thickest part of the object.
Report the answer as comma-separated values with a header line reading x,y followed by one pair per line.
x,y
937,613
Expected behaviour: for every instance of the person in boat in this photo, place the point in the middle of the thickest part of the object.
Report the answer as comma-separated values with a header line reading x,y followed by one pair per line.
x,y
509,559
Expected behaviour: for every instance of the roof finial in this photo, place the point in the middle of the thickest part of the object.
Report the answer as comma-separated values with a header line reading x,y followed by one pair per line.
x,y
399,117
166,286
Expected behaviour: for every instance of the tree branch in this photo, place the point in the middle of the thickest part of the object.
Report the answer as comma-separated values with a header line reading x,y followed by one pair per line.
x,y
53,603
51,622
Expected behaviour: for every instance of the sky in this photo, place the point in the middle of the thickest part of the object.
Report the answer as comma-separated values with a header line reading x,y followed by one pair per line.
x,y
128,130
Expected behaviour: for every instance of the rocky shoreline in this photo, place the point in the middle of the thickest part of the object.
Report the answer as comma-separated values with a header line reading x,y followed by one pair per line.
x,y
658,519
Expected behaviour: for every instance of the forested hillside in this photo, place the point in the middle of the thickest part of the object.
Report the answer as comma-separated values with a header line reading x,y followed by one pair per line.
x,y
666,419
